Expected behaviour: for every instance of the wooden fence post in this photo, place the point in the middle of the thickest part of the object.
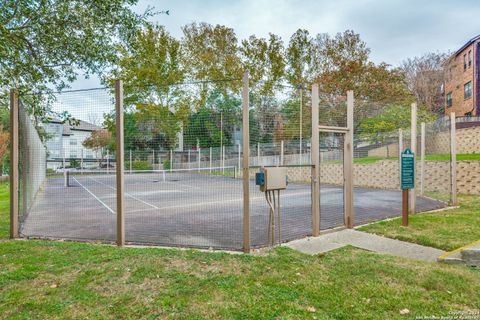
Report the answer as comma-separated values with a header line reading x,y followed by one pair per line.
x,y
13,164
239,158
315,163
348,163
120,163
246,163
422,158
413,147
400,150
453,160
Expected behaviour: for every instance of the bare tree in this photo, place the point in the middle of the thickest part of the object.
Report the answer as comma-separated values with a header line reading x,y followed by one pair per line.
x,y
424,76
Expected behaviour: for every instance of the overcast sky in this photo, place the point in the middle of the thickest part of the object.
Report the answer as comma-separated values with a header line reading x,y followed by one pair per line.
x,y
393,29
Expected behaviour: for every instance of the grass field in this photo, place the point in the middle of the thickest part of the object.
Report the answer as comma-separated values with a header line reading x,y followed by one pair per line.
x,y
58,280
446,230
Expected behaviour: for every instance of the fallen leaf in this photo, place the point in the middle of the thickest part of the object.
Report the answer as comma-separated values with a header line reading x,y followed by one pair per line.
x,y
311,309
404,311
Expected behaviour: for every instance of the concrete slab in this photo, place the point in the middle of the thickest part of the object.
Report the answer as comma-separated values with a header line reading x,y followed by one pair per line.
x,y
365,241
469,255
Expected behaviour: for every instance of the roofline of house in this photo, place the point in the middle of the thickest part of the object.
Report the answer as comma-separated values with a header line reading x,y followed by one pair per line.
x,y
469,42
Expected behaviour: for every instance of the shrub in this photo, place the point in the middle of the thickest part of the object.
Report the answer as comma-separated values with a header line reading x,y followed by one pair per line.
x,y
166,164
138,165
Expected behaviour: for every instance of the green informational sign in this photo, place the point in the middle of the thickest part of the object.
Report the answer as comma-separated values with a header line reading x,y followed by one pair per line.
x,y
407,170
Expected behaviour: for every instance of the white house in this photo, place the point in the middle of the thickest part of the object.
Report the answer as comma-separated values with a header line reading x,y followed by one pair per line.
x,y
65,142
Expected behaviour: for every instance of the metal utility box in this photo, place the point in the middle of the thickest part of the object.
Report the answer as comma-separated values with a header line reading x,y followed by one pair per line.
x,y
272,178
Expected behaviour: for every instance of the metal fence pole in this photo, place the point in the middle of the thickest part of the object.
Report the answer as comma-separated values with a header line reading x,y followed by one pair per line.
x,y
64,167
130,161
348,163
258,153
81,160
210,159
453,160
188,158
171,159
282,153
315,163
153,158
301,119
120,165
223,159
13,164
108,161
413,147
199,158
246,164
422,158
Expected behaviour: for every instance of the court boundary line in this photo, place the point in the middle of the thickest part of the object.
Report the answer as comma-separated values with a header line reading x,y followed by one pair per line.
x,y
96,198
126,193
212,203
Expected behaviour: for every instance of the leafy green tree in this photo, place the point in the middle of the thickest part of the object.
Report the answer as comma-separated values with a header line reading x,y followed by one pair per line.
x,y
265,59
381,128
302,59
150,64
211,53
214,123
44,43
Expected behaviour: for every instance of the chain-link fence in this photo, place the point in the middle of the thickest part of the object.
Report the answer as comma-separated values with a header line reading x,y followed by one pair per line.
x,y
183,153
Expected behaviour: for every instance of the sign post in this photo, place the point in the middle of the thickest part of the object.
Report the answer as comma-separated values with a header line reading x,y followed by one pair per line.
x,y
407,180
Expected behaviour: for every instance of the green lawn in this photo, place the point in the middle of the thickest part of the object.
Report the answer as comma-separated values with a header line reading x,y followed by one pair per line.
x,y
4,207
58,280
445,230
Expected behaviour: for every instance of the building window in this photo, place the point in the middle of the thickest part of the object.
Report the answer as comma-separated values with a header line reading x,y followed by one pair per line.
x,y
73,142
73,153
449,99
465,62
469,58
467,89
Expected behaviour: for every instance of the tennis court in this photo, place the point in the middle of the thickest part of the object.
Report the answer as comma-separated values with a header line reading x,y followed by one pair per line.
x,y
196,208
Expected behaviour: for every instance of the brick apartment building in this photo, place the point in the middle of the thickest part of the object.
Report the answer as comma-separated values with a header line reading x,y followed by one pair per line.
x,y
462,85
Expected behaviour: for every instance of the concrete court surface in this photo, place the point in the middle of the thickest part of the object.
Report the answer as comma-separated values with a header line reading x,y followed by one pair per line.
x,y
366,241
188,209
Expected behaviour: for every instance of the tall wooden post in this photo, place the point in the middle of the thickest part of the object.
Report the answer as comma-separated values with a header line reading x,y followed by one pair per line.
x,y
413,147
246,164
239,158
120,163
453,163
315,163
400,150
13,164
348,163
422,158
405,207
